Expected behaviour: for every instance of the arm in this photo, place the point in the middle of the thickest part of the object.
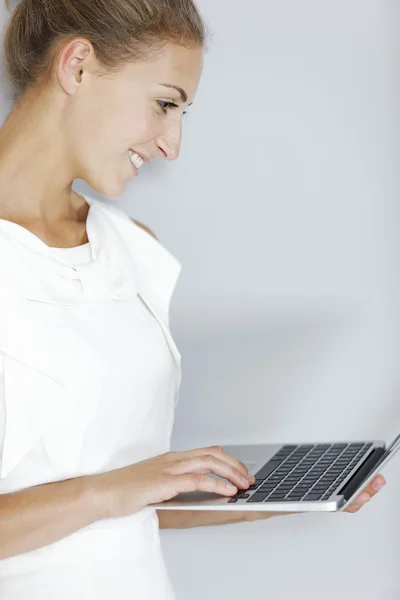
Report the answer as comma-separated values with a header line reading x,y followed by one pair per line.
x,y
183,519
43,514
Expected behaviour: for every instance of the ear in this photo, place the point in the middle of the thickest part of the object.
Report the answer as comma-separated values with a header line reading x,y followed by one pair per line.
x,y
71,63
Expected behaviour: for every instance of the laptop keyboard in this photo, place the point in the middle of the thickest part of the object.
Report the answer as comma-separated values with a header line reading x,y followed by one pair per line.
x,y
306,472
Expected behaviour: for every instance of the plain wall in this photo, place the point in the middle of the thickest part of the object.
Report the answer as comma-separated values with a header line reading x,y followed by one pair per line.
x,y
283,209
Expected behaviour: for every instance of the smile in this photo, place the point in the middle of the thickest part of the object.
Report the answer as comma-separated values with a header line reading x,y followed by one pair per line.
x,y
136,159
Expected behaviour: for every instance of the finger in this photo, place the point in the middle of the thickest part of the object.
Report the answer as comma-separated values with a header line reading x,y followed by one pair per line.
x,y
192,482
218,452
353,508
358,502
377,483
369,492
208,463
371,489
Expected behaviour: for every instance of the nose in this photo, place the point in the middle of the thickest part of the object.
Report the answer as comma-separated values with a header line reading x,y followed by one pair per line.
x,y
170,142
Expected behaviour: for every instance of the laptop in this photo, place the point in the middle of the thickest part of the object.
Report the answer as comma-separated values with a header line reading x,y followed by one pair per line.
x,y
296,477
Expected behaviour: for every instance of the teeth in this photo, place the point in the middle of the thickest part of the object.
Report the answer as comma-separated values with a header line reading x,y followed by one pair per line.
x,y
136,159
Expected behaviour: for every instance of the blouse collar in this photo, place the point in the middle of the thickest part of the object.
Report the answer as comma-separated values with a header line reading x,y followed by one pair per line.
x,y
126,261
43,275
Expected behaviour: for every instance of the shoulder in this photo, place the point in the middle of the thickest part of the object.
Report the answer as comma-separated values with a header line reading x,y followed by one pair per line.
x,y
144,227
109,208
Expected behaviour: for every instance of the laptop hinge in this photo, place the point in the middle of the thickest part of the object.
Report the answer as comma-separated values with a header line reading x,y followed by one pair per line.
x,y
362,473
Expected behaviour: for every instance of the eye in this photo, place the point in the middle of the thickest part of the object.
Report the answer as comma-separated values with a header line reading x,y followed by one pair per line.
x,y
166,105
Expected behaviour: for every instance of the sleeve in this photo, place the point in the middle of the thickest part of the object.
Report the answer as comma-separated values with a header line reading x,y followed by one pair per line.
x,y
36,407
158,268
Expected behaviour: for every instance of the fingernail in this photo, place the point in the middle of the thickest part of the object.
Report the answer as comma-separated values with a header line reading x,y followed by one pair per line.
x,y
378,486
230,486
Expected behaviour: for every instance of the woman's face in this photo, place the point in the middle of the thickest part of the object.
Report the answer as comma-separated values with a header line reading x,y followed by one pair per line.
x,y
106,116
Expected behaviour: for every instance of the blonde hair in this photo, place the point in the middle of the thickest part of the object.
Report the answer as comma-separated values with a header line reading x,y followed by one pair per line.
x,y
120,31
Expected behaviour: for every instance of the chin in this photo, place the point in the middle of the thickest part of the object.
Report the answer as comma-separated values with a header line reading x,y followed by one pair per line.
x,y
111,190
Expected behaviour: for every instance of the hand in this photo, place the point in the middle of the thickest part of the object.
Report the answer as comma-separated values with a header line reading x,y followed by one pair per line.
x,y
366,495
127,490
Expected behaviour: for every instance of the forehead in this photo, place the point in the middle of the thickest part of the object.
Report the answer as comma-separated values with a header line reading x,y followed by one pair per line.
x,y
174,65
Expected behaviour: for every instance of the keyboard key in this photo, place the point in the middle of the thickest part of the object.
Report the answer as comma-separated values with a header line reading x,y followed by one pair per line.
x,y
257,497
267,469
311,497
294,498
276,496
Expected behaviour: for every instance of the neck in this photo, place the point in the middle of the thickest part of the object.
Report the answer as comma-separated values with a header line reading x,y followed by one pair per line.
x,y
36,170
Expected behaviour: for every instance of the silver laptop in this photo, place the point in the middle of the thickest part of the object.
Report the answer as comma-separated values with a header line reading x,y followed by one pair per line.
x,y
296,477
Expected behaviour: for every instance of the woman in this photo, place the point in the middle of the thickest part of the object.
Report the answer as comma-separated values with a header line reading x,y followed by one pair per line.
x,y
89,373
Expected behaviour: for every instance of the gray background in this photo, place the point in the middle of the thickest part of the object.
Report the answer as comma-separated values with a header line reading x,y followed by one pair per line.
x,y
283,211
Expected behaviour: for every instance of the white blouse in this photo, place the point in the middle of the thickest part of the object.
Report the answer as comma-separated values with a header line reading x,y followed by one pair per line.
x,y
89,381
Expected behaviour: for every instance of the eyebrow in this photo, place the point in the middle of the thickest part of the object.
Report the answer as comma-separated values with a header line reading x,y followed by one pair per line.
x,y
183,94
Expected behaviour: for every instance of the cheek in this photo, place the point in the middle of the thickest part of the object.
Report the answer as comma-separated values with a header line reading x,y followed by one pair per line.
x,y
96,138
144,128
106,133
